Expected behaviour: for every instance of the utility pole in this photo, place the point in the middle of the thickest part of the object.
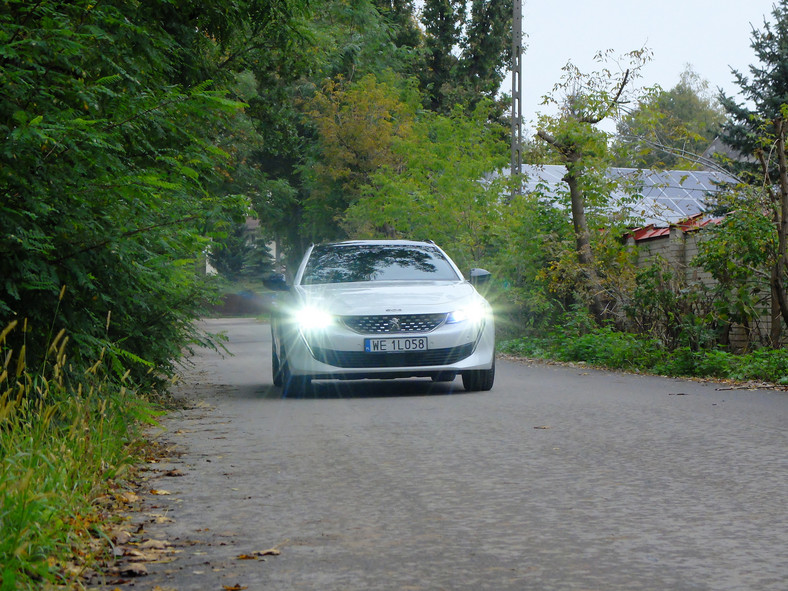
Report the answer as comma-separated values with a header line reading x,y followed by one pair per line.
x,y
517,93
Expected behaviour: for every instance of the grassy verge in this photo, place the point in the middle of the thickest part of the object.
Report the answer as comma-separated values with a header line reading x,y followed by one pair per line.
x,y
618,350
64,439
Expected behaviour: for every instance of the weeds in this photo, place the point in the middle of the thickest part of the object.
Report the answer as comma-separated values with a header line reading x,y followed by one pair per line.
x,y
61,441
619,350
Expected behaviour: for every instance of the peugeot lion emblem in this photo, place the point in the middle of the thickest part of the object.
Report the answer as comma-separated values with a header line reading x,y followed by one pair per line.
x,y
394,325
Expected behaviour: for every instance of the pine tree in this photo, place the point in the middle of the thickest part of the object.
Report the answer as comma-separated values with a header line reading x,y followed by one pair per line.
x,y
465,54
757,129
765,90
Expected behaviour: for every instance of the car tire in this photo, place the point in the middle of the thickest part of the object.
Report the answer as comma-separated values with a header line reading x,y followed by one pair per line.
x,y
479,380
294,386
276,369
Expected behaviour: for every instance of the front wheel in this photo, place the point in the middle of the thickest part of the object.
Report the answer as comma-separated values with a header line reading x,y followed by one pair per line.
x,y
294,386
276,369
479,380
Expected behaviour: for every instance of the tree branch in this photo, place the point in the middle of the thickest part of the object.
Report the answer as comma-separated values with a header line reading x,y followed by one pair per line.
x,y
613,103
122,236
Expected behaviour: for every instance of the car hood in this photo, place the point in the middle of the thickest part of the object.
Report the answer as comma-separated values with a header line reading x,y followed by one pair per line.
x,y
351,299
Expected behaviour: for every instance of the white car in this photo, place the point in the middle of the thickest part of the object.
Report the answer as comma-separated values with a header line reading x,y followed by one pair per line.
x,y
381,309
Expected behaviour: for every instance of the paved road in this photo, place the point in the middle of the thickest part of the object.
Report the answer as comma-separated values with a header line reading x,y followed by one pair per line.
x,y
558,479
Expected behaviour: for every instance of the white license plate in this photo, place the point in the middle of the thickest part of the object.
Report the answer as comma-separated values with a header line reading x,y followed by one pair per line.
x,y
396,345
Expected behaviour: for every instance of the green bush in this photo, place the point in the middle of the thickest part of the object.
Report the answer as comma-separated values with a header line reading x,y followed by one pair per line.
x,y
763,364
605,347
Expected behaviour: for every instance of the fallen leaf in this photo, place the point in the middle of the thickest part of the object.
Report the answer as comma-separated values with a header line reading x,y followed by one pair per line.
x,y
133,555
154,545
269,552
127,497
160,518
233,587
134,570
159,492
173,473
120,536
542,427
73,569
246,557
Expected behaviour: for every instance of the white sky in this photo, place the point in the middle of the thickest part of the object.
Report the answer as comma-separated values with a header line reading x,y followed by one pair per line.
x,y
710,35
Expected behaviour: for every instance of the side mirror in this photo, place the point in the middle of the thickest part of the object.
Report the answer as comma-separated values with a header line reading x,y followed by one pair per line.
x,y
276,282
480,277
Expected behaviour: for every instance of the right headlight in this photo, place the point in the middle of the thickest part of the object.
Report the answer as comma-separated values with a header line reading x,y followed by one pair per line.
x,y
310,318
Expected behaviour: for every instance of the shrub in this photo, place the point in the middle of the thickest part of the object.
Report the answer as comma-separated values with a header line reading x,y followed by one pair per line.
x,y
620,350
60,443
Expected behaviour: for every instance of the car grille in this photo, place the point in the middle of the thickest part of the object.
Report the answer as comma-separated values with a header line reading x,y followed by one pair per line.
x,y
411,323
361,359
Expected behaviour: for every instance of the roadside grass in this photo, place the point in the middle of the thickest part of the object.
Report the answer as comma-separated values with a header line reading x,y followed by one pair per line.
x,y
626,351
64,439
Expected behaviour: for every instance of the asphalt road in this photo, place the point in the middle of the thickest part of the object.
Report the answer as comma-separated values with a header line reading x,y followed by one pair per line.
x,y
560,478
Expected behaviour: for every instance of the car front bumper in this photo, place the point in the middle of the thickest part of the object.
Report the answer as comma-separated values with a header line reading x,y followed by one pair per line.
x,y
339,353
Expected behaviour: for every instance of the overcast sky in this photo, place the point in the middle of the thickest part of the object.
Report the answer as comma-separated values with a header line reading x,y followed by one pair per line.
x,y
710,35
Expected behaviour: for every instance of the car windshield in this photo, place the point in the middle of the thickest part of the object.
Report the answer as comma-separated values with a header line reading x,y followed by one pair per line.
x,y
344,263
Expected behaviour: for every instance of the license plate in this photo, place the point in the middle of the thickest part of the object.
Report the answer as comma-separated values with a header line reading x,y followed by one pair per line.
x,y
397,345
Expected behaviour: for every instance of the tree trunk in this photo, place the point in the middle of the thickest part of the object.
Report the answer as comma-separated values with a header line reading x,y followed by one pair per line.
x,y
781,221
583,245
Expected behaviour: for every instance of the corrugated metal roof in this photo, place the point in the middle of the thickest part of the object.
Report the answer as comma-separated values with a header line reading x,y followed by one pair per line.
x,y
661,197
690,224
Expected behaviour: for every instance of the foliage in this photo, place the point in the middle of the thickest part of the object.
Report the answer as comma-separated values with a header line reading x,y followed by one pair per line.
x,y
668,308
61,444
241,253
464,53
583,149
601,346
739,253
532,237
605,347
758,129
353,68
670,128
764,90
111,165
358,125
437,186
342,43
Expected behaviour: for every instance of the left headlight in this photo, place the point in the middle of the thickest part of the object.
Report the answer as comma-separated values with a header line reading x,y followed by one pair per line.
x,y
475,313
313,318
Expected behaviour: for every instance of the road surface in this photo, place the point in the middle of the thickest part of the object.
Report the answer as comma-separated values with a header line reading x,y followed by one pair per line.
x,y
560,478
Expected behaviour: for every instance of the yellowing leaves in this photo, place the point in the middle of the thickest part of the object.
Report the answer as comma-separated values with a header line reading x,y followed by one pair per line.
x,y
259,553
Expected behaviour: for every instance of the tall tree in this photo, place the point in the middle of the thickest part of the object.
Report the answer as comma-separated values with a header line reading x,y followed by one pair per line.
x,y
433,189
758,128
583,149
671,128
465,54
112,115
357,125
342,44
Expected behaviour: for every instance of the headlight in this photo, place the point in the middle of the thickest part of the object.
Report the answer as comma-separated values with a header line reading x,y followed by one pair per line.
x,y
313,319
475,313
